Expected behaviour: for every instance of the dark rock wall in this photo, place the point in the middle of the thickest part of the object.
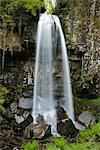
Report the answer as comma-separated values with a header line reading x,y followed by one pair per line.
x,y
82,33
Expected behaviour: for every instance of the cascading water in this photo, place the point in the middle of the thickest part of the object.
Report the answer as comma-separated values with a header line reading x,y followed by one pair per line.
x,y
44,101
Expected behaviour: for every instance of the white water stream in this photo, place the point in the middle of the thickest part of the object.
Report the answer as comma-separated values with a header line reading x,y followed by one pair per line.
x,y
43,100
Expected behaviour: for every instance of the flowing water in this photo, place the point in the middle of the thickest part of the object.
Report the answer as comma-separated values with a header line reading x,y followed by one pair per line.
x,y
43,101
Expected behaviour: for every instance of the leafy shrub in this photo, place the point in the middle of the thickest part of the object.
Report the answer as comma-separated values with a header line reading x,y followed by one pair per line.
x,y
82,146
59,142
51,147
87,140
31,146
90,134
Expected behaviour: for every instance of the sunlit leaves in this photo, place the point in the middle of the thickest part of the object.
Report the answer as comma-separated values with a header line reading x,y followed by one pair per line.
x,y
21,5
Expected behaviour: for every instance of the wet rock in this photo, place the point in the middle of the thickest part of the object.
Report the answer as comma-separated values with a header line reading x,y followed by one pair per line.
x,y
38,131
25,103
87,118
67,128
61,113
40,119
65,125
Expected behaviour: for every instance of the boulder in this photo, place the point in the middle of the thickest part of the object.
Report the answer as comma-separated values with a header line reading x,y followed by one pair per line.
x,y
65,125
25,103
38,131
87,118
67,128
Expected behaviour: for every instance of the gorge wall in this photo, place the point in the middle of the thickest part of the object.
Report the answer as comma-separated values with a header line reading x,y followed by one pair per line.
x,y
80,21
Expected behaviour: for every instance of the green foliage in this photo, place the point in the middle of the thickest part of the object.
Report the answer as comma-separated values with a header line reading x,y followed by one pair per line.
x,y
2,101
17,6
51,147
2,109
93,102
31,146
32,5
59,142
25,5
49,6
13,12
82,146
3,93
87,140
90,134
49,10
4,90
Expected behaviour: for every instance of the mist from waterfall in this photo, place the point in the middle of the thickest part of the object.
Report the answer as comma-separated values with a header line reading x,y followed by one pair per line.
x,y
44,100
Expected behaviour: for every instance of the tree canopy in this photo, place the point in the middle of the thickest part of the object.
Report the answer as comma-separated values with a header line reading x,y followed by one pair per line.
x,y
15,6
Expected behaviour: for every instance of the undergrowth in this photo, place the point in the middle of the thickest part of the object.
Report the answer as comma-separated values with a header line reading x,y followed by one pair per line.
x,y
87,140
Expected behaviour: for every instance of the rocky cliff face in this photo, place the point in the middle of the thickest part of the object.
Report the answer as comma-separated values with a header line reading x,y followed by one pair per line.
x,y
80,21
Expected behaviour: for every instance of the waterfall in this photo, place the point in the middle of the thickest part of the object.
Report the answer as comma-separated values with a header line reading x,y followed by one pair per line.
x,y
43,101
